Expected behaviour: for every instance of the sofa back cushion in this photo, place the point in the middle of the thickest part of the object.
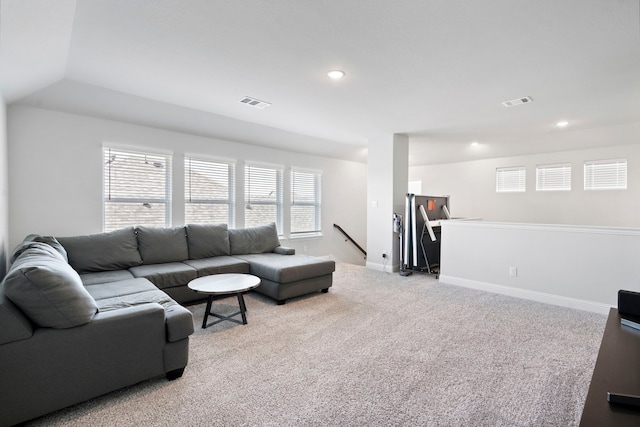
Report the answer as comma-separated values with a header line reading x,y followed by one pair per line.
x,y
48,290
207,241
115,250
49,240
254,240
160,245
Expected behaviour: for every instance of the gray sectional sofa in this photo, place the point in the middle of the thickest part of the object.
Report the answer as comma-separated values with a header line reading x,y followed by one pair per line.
x,y
62,342
82,316
171,257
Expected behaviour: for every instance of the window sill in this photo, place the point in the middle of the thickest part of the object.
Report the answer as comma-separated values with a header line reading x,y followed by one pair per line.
x,y
298,236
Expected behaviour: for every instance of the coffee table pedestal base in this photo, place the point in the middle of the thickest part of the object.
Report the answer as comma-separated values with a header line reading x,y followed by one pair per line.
x,y
242,312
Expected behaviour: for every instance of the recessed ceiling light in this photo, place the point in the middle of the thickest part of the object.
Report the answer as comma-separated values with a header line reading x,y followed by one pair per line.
x,y
336,74
562,124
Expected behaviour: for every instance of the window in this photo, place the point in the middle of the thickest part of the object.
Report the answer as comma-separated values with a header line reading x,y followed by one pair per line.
x,y
209,189
263,196
605,175
509,180
306,189
137,189
553,177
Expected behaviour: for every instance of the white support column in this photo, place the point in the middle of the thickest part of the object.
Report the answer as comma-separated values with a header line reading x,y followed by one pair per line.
x,y
387,180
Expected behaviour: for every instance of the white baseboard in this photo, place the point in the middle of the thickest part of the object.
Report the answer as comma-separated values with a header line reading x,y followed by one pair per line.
x,y
387,268
562,301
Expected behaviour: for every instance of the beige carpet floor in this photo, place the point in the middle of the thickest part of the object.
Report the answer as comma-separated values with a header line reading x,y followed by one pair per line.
x,y
377,350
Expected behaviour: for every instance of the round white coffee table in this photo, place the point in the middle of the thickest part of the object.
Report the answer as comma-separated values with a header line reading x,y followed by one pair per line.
x,y
224,284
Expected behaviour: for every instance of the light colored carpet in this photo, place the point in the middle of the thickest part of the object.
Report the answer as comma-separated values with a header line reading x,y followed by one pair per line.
x,y
377,350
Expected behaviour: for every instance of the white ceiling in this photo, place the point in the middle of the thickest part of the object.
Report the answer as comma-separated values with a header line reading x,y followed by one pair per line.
x,y
436,70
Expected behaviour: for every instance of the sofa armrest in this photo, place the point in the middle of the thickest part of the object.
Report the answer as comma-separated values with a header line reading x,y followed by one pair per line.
x,y
144,324
56,368
128,314
179,322
15,326
125,339
283,250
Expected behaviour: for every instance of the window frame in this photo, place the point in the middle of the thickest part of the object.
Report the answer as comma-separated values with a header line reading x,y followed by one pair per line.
x,y
553,177
600,165
500,180
278,201
230,201
316,177
109,153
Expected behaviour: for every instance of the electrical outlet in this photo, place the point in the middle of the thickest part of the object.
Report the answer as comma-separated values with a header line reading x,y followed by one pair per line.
x,y
384,254
513,271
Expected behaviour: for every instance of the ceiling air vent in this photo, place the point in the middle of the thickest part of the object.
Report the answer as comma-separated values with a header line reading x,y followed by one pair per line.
x,y
255,102
517,101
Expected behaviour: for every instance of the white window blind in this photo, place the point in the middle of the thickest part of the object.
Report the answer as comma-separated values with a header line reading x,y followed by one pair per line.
x,y
553,177
209,188
605,175
306,190
263,196
137,189
510,180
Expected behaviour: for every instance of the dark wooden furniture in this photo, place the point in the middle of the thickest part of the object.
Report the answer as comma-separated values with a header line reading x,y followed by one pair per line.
x,y
224,284
617,370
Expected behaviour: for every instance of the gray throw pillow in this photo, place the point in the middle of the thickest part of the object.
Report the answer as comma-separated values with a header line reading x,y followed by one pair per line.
x,y
254,240
48,290
207,241
115,250
160,245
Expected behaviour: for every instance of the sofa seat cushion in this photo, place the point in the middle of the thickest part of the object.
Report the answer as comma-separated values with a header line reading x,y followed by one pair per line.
x,y
114,250
207,240
119,289
162,245
166,275
218,265
48,290
287,268
105,277
179,320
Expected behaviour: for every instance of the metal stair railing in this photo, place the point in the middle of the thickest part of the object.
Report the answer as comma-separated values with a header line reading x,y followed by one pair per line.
x,y
350,239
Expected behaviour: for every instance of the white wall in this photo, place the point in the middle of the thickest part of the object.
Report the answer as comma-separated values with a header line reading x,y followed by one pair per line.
x,y
55,177
4,195
386,192
575,266
471,186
